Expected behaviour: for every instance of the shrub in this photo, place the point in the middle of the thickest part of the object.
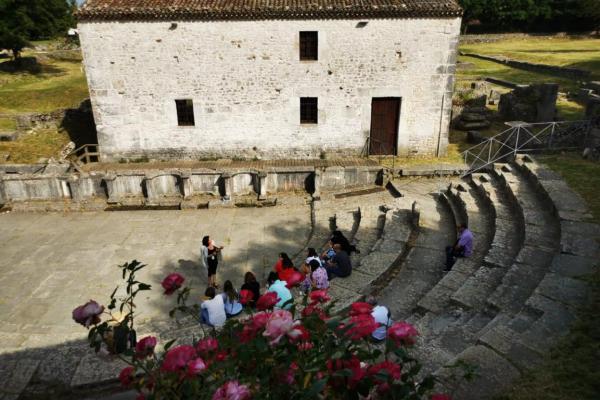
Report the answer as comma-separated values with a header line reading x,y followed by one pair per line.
x,y
305,353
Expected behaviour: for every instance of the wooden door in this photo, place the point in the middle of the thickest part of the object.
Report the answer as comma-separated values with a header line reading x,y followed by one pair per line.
x,y
384,125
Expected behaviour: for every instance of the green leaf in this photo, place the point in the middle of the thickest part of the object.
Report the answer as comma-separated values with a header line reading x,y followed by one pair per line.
x,y
144,286
169,344
315,389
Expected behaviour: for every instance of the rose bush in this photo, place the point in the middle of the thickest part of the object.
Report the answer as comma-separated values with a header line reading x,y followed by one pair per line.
x,y
278,354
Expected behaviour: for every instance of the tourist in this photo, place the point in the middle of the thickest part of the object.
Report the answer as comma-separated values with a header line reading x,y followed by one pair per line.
x,y
251,284
213,309
382,316
319,279
274,284
284,267
340,265
209,257
329,253
231,300
312,255
338,237
316,277
282,263
462,248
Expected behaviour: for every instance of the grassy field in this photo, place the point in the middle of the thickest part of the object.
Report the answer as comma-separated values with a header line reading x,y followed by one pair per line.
x,y
561,51
60,84
30,147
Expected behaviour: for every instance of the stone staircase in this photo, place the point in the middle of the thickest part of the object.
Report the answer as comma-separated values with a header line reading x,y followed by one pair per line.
x,y
501,309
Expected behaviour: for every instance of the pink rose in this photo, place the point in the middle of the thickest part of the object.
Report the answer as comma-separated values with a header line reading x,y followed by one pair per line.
x,y
360,308
439,396
362,326
145,347
278,325
207,345
293,278
402,333
126,376
88,314
298,333
289,376
259,320
177,358
172,282
267,301
246,296
195,366
232,390
319,296
140,396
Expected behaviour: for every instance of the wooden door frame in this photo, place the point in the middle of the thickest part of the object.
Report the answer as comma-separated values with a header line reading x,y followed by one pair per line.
x,y
396,122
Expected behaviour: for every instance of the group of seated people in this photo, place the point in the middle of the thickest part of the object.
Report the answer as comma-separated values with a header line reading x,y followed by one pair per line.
x,y
317,270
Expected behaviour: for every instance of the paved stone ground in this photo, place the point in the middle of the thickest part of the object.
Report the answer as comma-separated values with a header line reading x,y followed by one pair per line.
x,y
50,263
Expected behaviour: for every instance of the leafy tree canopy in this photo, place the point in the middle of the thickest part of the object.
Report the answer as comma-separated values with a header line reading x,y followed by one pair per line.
x,y
24,20
530,15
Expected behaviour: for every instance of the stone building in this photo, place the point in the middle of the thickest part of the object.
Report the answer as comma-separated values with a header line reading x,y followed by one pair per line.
x,y
194,79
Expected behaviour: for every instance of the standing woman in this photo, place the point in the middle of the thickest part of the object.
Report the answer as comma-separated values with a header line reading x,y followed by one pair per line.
x,y
209,257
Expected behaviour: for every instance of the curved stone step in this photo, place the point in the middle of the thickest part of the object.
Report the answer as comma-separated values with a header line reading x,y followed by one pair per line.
x,y
468,205
542,233
423,267
505,245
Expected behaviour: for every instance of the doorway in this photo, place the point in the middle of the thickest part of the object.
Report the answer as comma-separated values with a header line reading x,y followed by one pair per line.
x,y
385,114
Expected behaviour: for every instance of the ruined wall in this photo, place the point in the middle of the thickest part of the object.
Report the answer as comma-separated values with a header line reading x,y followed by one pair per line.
x,y
245,79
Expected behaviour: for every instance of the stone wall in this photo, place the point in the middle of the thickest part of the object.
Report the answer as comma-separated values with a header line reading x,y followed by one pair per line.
x,y
182,188
573,73
245,80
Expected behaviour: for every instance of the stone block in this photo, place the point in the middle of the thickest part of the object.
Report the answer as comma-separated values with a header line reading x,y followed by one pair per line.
x,y
15,374
495,374
568,291
573,266
97,369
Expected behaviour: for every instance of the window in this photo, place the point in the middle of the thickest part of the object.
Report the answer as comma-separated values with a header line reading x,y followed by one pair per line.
x,y
309,46
185,112
308,110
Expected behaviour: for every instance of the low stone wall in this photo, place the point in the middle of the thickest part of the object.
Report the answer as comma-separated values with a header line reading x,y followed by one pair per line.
x,y
23,188
573,73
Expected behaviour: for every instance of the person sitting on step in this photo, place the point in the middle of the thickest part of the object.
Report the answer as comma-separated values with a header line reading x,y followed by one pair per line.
x,y
231,300
213,309
462,248
339,238
274,284
340,265
382,316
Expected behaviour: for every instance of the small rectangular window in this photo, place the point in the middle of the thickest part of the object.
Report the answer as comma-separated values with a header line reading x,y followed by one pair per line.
x,y
308,110
185,112
309,46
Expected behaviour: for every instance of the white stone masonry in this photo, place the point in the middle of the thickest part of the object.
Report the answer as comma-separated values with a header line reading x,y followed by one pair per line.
x,y
245,79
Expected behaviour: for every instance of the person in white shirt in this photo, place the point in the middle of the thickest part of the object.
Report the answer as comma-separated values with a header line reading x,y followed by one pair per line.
x,y
382,316
213,309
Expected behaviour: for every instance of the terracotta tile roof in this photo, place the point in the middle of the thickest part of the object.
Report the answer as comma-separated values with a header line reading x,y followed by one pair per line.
x,y
265,9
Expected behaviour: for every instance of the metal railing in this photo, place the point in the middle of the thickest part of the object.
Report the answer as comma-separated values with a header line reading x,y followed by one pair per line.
x,y
523,137
85,154
379,147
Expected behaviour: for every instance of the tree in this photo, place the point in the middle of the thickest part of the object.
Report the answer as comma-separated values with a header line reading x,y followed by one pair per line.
x,y
591,9
24,20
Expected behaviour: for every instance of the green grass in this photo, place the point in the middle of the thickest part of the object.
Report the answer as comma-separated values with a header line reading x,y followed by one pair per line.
x,y
59,84
7,124
44,143
583,176
569,110
560,51
484,69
